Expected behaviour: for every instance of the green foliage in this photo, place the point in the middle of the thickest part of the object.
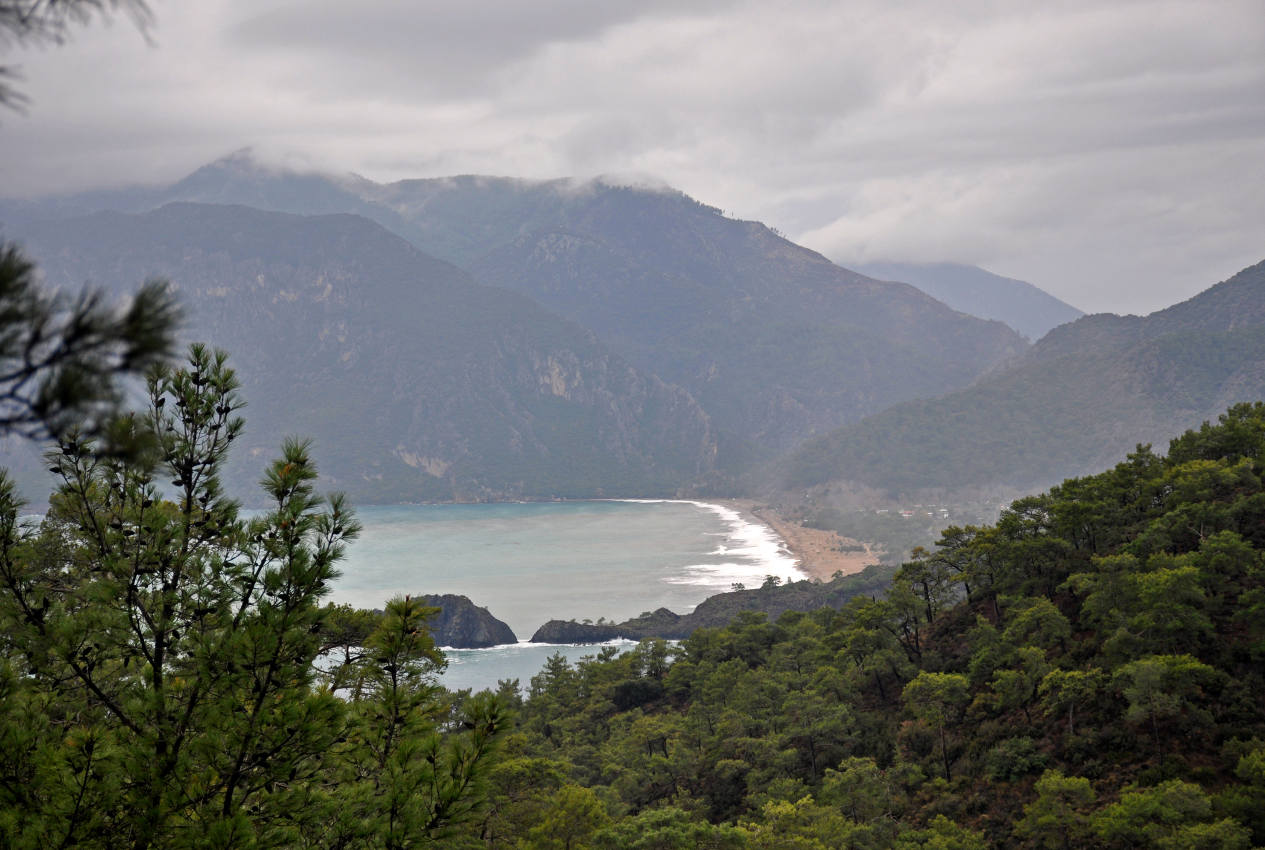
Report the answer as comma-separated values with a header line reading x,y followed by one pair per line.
x,y
399,780
159,677
1013,759
941,834
897,536
1037,622
668,828
937,699
60,360
1066,690
569,821
1174,815
1164,690
1057,818
159,689
1089,640
859,789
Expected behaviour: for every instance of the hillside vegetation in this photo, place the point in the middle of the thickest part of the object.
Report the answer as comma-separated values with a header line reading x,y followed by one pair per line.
x,y
772,599
1086,672
168,676
1087,392
414,381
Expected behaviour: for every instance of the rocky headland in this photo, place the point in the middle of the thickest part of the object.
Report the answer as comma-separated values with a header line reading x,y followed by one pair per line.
x,y
721,609
461,624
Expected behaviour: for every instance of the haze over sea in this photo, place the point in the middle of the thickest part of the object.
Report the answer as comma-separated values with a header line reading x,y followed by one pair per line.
x,y
528,563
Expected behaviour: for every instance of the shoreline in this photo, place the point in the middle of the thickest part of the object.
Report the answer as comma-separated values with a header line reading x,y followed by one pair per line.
x,y
818,553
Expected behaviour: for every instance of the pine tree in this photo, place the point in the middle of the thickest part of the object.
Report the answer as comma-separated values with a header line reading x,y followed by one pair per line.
x,y
61,360
159,682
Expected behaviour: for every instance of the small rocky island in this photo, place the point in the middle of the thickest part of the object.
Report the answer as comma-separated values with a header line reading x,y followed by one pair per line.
x,y
461,624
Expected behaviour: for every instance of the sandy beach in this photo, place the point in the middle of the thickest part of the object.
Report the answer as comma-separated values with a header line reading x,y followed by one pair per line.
x,y
820,553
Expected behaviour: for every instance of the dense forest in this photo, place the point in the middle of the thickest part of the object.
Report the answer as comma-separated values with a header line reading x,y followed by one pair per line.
x,y
1085,672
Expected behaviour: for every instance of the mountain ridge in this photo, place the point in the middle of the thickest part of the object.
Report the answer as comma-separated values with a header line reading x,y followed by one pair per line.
x,y
1088,391
417,382
1028,309
775,341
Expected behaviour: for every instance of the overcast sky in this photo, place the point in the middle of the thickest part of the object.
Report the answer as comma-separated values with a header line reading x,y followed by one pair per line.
x,y
1113,153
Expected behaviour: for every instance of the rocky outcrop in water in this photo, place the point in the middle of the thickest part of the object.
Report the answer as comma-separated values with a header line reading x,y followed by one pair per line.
x,y
461,624
661,623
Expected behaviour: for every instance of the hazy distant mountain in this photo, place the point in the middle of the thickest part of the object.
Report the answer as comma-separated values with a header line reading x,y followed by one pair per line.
x,y
1232,305
416,382
1027,309
1081,398
773,340
235,179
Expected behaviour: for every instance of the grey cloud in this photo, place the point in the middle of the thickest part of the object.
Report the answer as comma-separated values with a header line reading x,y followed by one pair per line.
x,y
441,47
1108,151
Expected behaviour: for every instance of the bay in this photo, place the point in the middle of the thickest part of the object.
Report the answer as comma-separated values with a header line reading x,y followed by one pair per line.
x,y
532,562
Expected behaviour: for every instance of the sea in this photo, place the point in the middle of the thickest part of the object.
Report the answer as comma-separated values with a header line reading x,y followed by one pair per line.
x,y
531,562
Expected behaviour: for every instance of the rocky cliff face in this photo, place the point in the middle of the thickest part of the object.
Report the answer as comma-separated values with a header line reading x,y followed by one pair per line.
x,y
461,624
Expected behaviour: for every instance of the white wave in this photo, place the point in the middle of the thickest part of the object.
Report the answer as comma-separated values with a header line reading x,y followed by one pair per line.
x,y
612,642
752,551
526,644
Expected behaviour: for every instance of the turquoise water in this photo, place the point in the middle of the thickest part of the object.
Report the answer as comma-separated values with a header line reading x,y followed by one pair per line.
x,y
532,562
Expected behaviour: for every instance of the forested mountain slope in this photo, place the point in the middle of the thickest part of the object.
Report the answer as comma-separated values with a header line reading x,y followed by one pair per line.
x,y
415,381
776,342
1234,304
1088,672
1088,391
